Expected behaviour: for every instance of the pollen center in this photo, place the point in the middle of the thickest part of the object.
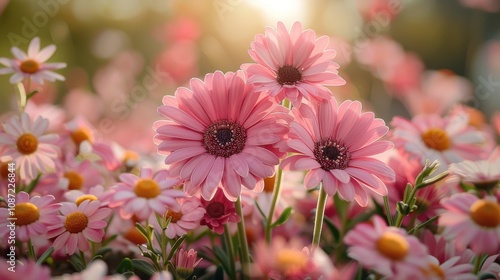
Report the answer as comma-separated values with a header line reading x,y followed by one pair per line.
x,y
288,75
176,216
485,213
393,246
331,154
147,188
4,170
29,66
437,139
84,197
215,209
135,236
269,184
291,260
26,213
27,144
76,222
224,138
80,135
435,270
75,180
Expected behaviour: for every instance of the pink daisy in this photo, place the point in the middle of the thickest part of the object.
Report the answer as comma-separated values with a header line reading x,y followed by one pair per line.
x,y
219,211
32,65
389,251
79,175
471,221
431,137
220,132
185,262
336,146
33,216
149,193
292,65
484,174
94,193
450,269
78,225
24,269
33,151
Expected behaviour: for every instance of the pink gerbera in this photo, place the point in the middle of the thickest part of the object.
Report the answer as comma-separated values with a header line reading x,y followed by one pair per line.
x,y
32,65
33,151
184,220
149,193
484,174
471,221
336,146
32,216
220,132
218,212
292,64
389,251
79,224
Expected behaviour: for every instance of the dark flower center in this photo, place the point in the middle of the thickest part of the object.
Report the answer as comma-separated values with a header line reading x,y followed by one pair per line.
x,y
224,138
331,154
288,75
215,209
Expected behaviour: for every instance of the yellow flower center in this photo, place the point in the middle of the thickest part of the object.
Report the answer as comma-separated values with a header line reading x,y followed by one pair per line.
x,y
485,213
76,222
130,156
435,270
26,213
75,180
393,246
29,66
84,197
175,216
269,184
27,143
4,170
147,188
80,135
135,236
291,260
437,139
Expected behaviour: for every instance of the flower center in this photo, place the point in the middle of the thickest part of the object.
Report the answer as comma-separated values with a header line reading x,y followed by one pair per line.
x,y
291,260
135,236
27,143
485,213
215,209
80,135
75,180
26,213
393,246
437,139
176,216
4,170
224,138
76,222
29,66
147,188
434,270
331,154
288,75
269,184
84,197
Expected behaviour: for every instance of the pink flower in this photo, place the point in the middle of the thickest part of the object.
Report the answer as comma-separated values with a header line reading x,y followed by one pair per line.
x,y
79,175
33,151
144,195
293,64
450,269
94,193
24,269
33,216
336,146
220,132
431,137
484,174
96,270
219,211
78,225
387,250
185,262
471,221
32,65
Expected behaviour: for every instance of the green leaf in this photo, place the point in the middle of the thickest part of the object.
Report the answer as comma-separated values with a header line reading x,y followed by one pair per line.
x,y
125,266
29,188
45,255
283,217
142,230
176,246
260,210
103,251
486,275
221,255
143,266
76,262
107,241
333,229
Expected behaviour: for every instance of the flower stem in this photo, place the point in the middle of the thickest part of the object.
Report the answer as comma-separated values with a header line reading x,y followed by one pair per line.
x,y
245,252
228,241
270,215
320,215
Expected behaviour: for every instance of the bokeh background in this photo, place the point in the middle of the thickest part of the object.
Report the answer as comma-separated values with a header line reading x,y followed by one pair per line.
x,y
124,55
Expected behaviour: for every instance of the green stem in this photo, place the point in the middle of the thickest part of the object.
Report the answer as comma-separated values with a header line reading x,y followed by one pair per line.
x,y
245,252
320,215
228,241
270,215
478,263
388,211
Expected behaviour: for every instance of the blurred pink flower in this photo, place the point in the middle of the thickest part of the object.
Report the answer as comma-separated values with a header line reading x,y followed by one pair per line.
x,y
491,6
381,11
96,270
32,65
185,262
24,269
484,174
54,114
219,211
389,251
94,193
292,65
79,175
220,132
472,222
337,146
450,269
495,120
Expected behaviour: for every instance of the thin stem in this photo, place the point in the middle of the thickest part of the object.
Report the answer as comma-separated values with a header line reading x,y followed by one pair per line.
x,y
388,211
270,215
320,215
228,241
245,252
